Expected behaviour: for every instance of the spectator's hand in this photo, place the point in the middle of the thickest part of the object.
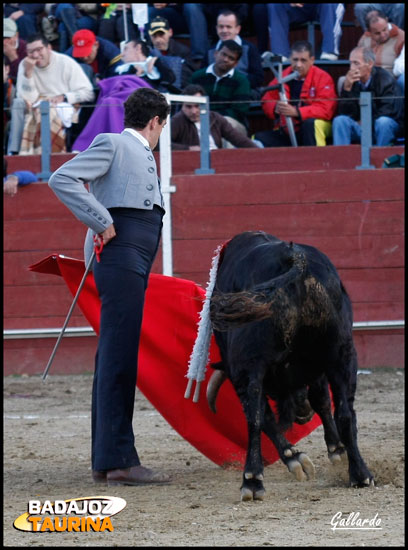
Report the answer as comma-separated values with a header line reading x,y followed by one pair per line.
x,y
194,148
297,5
159,6
29,65
283,108
353,75
151,63
16,15
11,185
139,70
56,99
28,104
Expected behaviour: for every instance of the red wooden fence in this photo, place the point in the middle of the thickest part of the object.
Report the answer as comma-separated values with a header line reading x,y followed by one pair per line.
x,y
354,216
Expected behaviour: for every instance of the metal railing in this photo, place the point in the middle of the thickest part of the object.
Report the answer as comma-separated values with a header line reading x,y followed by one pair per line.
x,y
205,158
20,334
166,168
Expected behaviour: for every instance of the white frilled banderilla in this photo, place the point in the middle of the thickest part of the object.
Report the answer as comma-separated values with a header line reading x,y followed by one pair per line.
x,y
200,355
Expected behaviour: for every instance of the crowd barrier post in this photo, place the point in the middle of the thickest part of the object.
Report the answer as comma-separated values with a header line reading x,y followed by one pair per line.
x,y
45,141
366,131
205,158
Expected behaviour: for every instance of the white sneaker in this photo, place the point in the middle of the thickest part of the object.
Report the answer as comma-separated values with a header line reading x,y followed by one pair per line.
x,y
329,56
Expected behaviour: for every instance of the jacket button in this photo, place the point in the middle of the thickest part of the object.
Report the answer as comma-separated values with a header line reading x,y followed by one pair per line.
x,y
150,169
149,187
147,148
99,218
147,202
89,209
150,157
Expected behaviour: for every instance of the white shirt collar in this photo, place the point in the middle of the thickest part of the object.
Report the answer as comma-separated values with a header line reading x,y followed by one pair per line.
x,y
210,69
138,136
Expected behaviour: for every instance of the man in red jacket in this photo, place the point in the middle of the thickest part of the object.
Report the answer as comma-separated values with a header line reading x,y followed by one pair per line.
x,y
311,102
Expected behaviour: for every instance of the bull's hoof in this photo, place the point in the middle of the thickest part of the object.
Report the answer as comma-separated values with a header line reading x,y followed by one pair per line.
x,y
252,488
301,467
336,453
367,482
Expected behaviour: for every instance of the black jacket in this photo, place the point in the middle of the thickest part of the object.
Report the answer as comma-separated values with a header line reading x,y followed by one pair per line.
x,y
384,90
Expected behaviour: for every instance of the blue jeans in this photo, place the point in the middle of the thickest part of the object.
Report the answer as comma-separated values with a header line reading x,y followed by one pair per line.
x,y
346,130
401,82
281,15
69,23
197,25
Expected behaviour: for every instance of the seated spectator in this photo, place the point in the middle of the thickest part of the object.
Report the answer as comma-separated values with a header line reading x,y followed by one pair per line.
x,y
399,70
228,28
44,75
228,89
198,20
312,102
212,12
330,16
9,92
137,60
175,54
394,12
185,126
384,39
98,56
26,17
112,24
387,110
108,114
14,48
20,178
73,17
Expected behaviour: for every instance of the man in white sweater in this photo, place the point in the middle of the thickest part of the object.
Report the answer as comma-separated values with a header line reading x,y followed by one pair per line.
x,y
48,75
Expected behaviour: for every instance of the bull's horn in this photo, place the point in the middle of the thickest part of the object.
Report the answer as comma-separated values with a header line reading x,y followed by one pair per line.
x,y
213,386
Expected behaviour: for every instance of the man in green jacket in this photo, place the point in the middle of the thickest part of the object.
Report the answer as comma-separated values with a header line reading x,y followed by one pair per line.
x,y
229,90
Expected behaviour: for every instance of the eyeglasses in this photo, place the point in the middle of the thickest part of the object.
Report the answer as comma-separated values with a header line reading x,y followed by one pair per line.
x,y
35,50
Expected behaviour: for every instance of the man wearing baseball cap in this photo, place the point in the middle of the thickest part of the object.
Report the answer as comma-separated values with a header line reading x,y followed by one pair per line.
x,y
14,48
100,54
174,54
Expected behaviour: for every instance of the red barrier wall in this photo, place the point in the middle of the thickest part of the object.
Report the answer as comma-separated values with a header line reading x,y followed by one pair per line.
x,y
354,216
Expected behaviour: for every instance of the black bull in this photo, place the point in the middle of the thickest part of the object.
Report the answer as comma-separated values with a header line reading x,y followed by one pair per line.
x,y
283,322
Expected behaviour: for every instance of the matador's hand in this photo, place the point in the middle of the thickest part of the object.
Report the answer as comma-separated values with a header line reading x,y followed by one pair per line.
x,y
108,234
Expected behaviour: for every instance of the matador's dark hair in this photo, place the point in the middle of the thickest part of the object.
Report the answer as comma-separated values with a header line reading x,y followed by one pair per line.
x,y
144,104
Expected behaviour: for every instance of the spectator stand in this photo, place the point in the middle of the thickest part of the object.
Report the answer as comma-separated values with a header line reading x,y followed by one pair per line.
x,y
311,32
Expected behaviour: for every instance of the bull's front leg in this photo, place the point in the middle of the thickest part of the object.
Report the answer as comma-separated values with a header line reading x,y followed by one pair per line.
x,y
253,402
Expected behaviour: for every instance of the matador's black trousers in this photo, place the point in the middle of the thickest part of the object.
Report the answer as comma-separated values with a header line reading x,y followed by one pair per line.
x,y
121,279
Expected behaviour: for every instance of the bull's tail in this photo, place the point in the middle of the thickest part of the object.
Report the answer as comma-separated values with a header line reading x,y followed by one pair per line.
x,y
231,310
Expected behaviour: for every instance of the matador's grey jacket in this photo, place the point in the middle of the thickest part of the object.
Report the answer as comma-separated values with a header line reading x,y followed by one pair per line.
x,y
121,172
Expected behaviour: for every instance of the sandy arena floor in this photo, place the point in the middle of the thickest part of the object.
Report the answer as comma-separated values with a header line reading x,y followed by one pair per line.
x,y
47,456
